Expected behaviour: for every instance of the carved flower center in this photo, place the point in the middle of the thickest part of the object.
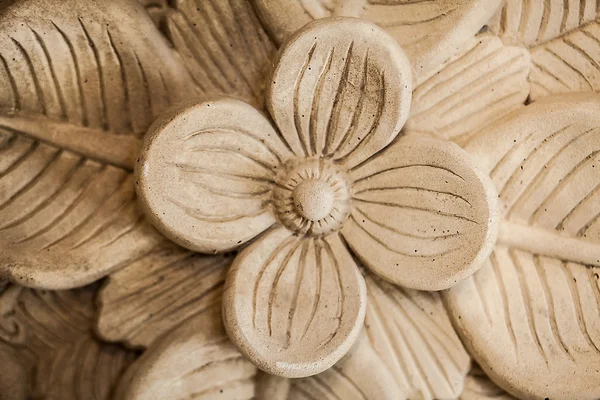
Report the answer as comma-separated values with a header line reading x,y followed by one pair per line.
x,y
312,196
313,199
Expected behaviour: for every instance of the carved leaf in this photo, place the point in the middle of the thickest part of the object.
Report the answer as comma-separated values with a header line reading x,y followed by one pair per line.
x,y
357,376
294,305
479,387
51,336
483,83
430,32
422,216
564,40
157,293
223,45
80,85
570,63
412,334
537,299
533,22
196,360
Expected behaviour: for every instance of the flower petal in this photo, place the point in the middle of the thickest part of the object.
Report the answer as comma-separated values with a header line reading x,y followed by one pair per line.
x,y
206,173
430,31
294,306
423,216
341,87
157,293
196,360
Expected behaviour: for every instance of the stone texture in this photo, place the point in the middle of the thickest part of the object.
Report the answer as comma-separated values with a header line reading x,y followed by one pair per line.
x,y
315,182
537,297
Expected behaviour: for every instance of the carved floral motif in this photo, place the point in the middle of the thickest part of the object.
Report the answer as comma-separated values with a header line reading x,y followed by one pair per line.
x,y
322,181
82,82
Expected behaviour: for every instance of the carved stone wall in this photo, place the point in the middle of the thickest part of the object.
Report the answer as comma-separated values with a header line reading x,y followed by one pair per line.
x,y
299,199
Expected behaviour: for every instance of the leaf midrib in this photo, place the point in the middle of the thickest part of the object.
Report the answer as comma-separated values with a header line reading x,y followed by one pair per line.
x,y
106,147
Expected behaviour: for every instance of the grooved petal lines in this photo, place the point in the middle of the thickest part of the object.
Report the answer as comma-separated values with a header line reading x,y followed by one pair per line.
x,y
564,41
485,82
538,296
207,173
569,63
174,285
534,22
302,297
414,208
77,96
431,32
338,100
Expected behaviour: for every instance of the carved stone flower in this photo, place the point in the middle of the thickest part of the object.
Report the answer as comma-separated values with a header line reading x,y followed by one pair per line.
x,y
318,183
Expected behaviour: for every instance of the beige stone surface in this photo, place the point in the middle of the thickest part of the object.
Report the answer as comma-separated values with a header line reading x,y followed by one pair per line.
x,y
48,350
307,174
530,316
152,296
80,85
479,387
430,32
563,38
486,81
196,360
214,175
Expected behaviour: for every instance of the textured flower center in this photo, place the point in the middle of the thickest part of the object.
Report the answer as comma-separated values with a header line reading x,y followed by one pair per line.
x,y
312,196
313,199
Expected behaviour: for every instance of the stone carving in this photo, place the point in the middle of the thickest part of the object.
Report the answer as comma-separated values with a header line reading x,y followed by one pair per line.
x,y
564,41
155,294
196,360
417,213
485,81
430,32
48,350
537,298
82,82
414,355
479,387
79,90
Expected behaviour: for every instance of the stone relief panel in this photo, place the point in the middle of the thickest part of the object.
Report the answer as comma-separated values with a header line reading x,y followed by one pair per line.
x,y
397,200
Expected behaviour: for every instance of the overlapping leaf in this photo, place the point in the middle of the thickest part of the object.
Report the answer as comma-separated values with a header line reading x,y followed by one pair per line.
x,y
196,360
409,351
51,351
531,315
564,40
223,45
430,32
484,82
159,292
80,85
